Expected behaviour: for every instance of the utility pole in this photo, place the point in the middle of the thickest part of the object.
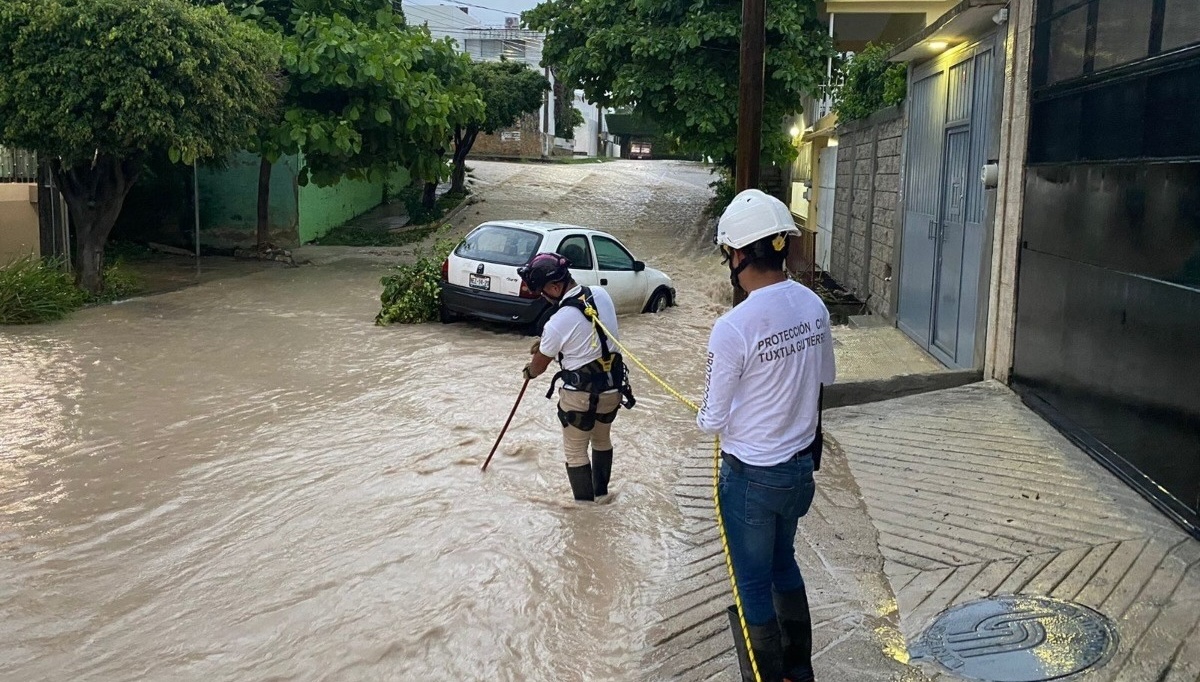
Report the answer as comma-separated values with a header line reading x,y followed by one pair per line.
x,y
750,101
750,93
546,115
599,132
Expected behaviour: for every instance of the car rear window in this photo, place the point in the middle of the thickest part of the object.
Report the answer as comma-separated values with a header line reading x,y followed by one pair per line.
x,y
497,244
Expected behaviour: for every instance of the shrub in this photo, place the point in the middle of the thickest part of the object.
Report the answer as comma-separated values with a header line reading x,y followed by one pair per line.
x,y
349,235
724,189
33,291
119,282
871,83
412,294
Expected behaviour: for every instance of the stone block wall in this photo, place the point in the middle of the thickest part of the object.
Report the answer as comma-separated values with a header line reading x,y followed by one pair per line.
x,y
867,207
505,143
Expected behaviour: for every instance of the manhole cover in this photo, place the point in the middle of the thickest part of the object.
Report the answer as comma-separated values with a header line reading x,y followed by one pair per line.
x,y
1018,639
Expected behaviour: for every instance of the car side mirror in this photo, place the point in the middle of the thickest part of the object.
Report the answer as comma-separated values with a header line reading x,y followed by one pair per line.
x,y
638,266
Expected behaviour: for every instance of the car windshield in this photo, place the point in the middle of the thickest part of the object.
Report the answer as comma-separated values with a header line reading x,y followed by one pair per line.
x,y
498,244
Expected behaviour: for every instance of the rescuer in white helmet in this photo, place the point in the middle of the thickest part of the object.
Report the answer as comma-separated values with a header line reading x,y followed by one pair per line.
x,y
768,359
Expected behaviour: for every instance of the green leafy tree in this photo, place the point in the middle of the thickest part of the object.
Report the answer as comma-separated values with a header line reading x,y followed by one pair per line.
x,y
455,72
94,85
566,117
571,119
365,94
676,63
871,83
510,90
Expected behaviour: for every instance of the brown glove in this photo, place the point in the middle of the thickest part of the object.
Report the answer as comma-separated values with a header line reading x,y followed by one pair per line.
x,y
527,372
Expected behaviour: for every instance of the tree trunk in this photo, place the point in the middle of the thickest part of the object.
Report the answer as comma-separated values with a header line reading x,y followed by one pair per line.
x,y
263,236
458,176
429,195
95,193
89,263
462,147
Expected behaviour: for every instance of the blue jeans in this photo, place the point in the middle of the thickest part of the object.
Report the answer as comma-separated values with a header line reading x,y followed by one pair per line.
x,y
760,507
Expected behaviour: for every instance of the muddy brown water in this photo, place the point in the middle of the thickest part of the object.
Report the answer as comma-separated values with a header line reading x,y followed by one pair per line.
x,y
247,480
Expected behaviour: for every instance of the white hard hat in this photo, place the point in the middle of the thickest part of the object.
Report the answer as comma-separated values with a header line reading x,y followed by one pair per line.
x,y
752,215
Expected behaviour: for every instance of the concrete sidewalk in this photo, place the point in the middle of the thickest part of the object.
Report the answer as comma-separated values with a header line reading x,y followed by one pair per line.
x,y
932,501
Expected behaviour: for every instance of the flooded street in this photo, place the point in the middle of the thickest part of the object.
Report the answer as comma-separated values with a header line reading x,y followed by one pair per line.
x,y
248,480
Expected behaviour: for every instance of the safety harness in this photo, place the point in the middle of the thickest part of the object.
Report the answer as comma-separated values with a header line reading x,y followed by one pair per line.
x,y
607,373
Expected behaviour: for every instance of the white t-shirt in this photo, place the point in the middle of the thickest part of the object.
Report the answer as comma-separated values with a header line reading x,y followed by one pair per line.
x,y
570,333
767,359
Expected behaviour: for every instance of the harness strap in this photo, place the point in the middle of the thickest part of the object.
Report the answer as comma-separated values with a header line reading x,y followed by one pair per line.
x,y
606,373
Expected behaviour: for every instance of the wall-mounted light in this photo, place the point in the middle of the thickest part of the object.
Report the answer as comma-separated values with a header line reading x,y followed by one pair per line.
x,y
794,131
938,45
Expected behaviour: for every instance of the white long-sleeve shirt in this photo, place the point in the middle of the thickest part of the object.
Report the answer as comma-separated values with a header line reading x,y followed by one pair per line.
x,y
767,360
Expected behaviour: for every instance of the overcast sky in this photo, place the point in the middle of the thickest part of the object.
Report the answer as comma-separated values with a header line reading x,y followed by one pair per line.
x,y
490,12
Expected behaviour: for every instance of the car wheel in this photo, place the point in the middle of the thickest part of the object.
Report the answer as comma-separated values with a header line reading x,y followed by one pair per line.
x,y
446,316
659,302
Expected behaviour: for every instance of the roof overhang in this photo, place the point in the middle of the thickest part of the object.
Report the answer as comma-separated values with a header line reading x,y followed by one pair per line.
x,y
968,20
825,127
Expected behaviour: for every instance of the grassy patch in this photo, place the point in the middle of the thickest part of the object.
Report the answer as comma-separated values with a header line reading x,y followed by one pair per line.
x,y
32,291
419,215
348,235
577,160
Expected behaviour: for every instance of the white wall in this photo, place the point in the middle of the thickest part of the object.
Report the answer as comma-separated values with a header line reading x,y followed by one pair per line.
x,y
585,134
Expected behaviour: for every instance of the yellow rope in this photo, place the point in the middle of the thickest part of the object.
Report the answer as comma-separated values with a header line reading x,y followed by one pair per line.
x,y
737,597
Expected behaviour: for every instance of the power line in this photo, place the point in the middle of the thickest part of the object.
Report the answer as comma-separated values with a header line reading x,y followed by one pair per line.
x,y
468,34
539,39
467,4
536,37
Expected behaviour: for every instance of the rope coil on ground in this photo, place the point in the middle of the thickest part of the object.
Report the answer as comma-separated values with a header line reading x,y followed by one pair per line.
x,y
737,598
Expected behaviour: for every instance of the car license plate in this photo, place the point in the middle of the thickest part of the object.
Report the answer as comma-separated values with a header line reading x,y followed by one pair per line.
x,y
480,282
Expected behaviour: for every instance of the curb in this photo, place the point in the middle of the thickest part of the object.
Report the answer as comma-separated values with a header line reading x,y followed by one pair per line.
x,y
468,200
878,390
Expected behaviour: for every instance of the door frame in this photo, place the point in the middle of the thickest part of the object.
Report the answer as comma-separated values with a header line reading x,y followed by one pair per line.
x,y
825,204
998,38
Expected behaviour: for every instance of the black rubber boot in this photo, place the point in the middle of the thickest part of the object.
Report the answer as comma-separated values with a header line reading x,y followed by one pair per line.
x,y
768,652
601,471
581,482
795,625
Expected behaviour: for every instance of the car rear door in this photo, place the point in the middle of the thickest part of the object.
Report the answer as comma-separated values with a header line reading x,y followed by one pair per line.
x,y
576,248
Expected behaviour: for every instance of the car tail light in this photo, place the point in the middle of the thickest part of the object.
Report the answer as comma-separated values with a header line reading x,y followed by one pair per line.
x,y
446,270
526,293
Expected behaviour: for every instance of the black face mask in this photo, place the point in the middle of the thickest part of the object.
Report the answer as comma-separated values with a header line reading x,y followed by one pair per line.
x,y
734,271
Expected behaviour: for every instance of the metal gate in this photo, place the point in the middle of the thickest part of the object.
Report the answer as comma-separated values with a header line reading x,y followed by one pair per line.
x,y
826,186
951,112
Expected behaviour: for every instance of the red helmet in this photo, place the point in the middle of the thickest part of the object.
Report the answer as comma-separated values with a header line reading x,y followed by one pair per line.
x,y
543,269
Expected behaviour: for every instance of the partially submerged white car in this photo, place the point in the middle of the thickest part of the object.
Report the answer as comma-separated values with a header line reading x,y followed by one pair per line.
x,y
479,279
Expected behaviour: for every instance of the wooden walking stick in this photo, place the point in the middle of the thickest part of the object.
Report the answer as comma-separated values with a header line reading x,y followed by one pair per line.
x,y
506,423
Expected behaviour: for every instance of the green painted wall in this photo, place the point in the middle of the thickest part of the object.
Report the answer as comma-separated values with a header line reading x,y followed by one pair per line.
x,y
324,208
229,202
